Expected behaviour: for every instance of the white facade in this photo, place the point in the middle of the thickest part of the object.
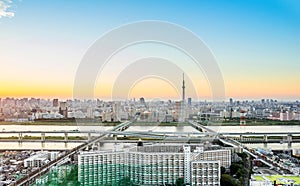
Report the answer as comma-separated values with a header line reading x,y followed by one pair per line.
x,y
36,160
286,116
53,155
222,155
205,173
153,165
101,168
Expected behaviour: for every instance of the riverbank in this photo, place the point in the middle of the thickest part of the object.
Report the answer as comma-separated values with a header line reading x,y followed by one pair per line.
x,y
108,124
61,123
46,138
252,123
98,123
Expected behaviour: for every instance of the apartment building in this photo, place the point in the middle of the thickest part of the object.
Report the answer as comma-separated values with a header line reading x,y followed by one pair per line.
x,y
153,165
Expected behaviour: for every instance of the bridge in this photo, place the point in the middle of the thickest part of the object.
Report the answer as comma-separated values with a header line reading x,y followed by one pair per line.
x,y
243,137
111,131
224,138
30,178
253,153
85,136
200,127
110,136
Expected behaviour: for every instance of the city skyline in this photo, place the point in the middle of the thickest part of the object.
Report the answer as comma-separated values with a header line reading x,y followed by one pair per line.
x,y
255,43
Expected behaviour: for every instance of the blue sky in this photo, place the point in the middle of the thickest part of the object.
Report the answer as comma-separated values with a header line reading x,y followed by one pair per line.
x,y
49,38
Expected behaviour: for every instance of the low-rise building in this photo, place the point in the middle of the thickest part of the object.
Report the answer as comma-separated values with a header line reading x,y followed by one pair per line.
x,y
36,160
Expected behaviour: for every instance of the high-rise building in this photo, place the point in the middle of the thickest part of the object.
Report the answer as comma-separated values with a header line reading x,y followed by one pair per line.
x,y
243,114
55,102
142,100
63,109
189,101
153,165
231,101
179,111
205,173
286,116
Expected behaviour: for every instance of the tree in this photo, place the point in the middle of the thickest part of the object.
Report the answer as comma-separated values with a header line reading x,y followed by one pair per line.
x,y
241,173
223,170
234,167
125,182
179,182
243,155
227,180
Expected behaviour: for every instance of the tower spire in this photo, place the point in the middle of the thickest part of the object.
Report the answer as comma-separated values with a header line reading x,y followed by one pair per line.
x,y
183,88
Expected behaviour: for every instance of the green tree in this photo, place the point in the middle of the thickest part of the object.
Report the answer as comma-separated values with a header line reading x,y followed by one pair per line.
x,y
223,170
227,180
243,155
234,167
241,173
125,182
179,182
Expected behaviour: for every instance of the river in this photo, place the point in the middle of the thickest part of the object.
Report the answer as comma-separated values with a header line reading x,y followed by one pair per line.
x,y
36,145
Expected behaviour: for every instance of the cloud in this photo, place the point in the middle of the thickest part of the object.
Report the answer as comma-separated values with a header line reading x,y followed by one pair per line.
x,y
4,9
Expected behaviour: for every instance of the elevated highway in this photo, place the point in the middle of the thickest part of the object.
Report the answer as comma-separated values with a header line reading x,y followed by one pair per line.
x,y
65,137
203,133
27,180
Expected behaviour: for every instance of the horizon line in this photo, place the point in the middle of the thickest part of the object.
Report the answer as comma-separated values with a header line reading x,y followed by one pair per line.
x,y
156,99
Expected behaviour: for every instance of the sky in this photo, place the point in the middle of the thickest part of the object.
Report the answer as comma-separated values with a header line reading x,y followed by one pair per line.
x,y
256,44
